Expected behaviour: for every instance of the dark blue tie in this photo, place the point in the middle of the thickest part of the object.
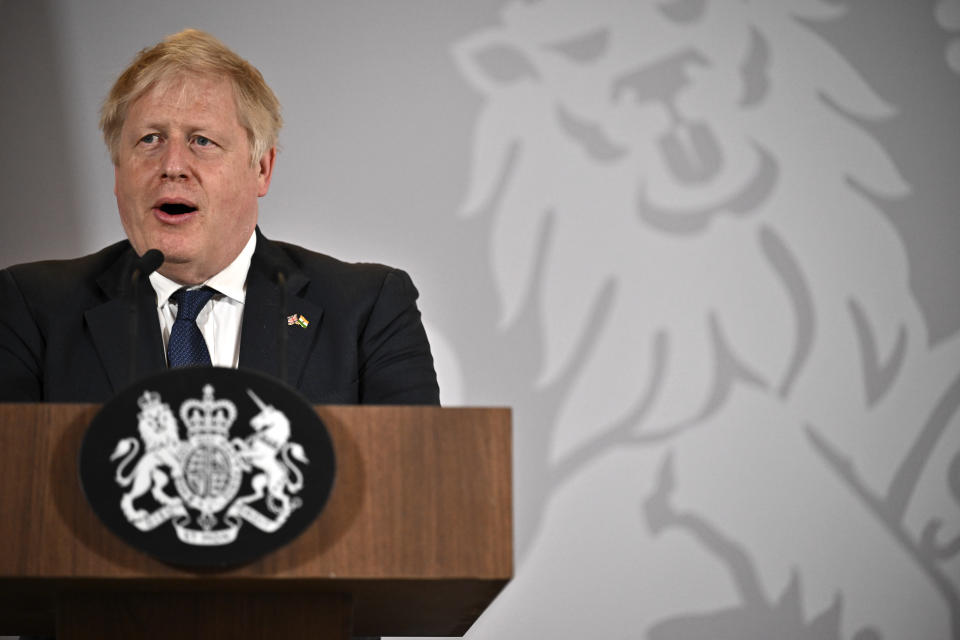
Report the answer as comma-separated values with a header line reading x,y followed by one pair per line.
x,y
187,347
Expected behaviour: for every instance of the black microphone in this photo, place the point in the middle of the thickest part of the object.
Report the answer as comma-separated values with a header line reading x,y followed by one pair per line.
x,y
281,279
149,262
146,264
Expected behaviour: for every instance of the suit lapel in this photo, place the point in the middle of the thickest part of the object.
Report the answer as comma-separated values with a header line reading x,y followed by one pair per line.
x,y
264,321
110,326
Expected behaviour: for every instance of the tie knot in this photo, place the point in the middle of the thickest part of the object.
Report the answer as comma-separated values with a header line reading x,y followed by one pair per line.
x,y
191,301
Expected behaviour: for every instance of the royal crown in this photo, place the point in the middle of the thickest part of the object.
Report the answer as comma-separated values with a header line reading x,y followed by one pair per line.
x,y
208,416
151,405
149,401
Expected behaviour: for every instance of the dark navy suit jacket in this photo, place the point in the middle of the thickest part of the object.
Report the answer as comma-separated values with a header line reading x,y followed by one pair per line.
x,y
65,328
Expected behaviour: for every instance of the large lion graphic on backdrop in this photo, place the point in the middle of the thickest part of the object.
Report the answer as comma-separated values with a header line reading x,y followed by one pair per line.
x,y
689,192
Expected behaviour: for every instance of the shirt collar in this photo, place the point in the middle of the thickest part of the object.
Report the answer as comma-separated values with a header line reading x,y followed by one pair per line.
x,y
231,281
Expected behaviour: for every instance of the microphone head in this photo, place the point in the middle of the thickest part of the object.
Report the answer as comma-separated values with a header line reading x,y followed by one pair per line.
x,y
150,261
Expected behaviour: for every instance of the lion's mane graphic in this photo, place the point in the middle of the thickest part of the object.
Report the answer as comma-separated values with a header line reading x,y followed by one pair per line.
x,y
689,193
948,17
651,157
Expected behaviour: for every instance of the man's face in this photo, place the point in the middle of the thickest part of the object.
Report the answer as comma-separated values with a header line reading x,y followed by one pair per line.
x,y
184,181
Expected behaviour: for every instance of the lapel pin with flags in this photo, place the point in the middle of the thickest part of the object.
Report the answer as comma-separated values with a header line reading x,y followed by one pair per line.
x,y
298,320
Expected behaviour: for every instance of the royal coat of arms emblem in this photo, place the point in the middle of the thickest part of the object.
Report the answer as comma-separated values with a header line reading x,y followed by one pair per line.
x,y
209,484
207,466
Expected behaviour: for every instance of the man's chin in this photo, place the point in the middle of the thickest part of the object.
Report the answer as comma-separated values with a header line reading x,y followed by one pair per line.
x,y
181,267
186,273
177,247
171,257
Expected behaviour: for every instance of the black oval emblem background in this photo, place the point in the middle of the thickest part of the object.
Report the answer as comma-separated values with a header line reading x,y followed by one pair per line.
x,y
192,485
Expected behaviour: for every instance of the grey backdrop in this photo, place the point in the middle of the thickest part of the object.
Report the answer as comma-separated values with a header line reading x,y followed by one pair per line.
x,y
707,249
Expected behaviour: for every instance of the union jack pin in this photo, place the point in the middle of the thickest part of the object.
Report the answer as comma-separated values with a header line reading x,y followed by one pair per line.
x,y
300,321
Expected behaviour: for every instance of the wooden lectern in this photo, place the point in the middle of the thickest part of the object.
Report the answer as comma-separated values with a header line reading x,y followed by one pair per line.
x,y
416,538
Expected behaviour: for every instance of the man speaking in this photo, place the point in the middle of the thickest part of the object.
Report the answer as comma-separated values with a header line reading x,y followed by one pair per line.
x,y
192,131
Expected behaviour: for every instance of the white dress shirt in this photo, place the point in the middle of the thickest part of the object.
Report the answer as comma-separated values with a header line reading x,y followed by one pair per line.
x,y
220,319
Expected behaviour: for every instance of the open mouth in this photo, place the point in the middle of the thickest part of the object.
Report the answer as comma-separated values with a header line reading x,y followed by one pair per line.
x,y
176,208
692,153
745,199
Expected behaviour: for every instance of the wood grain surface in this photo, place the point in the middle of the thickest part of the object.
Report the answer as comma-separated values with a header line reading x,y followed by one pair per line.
x,y
418,528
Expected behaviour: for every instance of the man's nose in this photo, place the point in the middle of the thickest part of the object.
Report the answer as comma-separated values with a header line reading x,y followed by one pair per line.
x,y
175,162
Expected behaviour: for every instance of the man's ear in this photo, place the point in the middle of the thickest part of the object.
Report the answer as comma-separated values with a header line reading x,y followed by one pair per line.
x,y
265,168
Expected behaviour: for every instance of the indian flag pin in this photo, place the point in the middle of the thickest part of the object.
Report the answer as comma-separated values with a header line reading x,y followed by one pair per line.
x,y
298,320
303,322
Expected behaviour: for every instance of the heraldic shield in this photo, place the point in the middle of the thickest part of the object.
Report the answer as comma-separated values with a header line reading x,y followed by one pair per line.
x,y
207,467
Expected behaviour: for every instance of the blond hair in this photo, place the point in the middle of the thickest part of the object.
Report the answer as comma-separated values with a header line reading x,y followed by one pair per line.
x,y
194,51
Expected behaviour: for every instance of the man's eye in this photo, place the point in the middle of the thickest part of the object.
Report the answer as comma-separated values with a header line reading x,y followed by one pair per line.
x,y
203,142
150,138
